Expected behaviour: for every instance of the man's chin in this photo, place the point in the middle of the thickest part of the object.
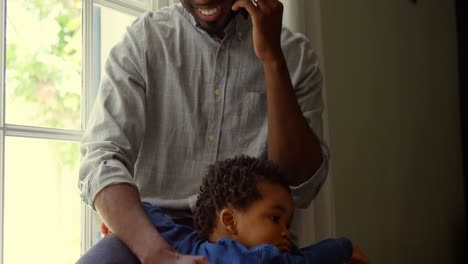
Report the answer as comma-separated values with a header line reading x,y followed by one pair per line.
x,y
214,27
209,27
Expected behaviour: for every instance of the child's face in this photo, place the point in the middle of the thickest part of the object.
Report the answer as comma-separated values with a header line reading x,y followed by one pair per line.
x,y
267,220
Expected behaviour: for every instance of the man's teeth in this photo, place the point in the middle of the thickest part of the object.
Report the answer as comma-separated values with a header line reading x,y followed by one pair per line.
x,y
208,12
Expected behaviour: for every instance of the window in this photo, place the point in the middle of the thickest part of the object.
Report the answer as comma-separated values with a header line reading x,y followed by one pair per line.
x,y
52,55
42,113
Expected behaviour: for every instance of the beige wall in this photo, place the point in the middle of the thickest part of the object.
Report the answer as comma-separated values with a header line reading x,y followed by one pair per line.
x,y
393,120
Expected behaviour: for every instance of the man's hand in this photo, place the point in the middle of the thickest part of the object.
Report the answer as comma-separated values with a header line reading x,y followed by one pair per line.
x,y
120,209
267,19
166,254
358,257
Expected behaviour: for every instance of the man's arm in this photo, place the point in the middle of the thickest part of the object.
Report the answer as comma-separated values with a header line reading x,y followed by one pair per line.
x,y
129,222
120,209
291,143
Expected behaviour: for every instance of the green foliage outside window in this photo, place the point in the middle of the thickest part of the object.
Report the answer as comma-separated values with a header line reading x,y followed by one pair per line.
x,y
47,76
44,70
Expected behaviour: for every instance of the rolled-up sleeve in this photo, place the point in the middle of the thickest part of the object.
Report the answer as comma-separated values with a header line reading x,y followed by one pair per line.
x,y
307,81
112,138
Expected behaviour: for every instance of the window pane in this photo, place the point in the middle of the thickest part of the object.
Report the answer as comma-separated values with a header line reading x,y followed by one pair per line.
x,y
113,27
110,25
43,63
42,201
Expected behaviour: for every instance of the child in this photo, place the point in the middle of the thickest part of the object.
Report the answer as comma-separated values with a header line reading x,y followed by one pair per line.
x,y
242,215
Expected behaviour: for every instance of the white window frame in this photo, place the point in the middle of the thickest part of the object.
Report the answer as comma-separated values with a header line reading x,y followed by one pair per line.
x,y
2,117
132,7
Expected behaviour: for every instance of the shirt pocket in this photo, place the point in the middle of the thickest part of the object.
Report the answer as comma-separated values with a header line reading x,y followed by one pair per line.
x,y
254,106
253,121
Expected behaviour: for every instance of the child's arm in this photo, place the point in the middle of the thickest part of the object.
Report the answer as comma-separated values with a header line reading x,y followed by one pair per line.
x,y
174,234
358,257
329,251
180,237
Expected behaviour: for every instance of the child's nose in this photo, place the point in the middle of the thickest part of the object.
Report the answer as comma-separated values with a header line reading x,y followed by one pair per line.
x,y
286,234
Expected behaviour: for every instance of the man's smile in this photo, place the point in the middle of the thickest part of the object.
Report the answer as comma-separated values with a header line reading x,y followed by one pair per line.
x,y
209,13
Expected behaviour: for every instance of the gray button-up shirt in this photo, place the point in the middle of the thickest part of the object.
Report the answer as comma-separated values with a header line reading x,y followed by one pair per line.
x,y
174,100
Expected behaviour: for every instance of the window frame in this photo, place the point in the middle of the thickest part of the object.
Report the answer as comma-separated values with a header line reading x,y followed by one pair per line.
x,y
2,118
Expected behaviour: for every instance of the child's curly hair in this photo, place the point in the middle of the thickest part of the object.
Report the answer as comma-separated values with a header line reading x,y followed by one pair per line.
x,y
232,182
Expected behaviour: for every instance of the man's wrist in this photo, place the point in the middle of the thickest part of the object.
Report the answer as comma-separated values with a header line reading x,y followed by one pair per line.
x,y
275,58
146,246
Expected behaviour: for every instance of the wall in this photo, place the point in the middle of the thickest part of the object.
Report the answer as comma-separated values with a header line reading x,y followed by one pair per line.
x,y
393,121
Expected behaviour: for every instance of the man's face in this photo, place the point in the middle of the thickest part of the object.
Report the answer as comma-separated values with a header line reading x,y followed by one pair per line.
x,y
267,220
211,15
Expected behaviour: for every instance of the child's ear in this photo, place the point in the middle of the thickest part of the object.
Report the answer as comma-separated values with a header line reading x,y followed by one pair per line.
x,y
226,217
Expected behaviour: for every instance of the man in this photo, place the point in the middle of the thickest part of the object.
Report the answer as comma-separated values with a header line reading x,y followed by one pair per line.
x,y
189,85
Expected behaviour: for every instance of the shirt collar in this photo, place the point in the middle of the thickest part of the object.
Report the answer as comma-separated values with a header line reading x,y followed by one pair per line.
x,y
243,24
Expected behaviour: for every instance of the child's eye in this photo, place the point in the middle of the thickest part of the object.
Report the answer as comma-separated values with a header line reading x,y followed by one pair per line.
x,y
275,218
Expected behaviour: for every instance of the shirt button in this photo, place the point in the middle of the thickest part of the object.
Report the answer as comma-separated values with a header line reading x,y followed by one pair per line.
x,y
211,138
240,35
217,92
221,46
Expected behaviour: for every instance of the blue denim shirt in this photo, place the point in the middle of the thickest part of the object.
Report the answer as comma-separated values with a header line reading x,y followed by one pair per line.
x,y
185,241
174,100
